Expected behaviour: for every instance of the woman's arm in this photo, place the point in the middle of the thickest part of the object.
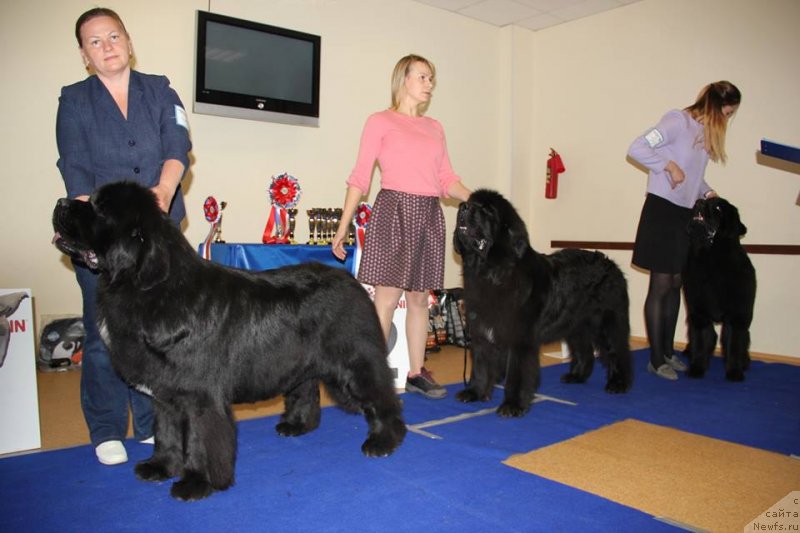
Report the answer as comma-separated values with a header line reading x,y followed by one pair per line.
x,y
171,175
74,156
175,144
351,201
458,191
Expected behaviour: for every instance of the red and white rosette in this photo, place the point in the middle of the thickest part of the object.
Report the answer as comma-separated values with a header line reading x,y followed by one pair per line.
x,y
214,216
284,193
363,214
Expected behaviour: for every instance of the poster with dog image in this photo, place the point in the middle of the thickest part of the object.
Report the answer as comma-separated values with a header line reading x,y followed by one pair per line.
x,y
19,402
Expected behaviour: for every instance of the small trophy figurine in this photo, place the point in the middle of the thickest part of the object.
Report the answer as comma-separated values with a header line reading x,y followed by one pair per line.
x,y
284,193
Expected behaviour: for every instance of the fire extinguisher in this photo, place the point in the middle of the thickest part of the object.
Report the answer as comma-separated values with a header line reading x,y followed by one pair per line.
x,y
554,167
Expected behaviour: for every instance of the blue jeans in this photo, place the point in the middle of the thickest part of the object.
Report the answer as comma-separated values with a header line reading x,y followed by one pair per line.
x,y
105,397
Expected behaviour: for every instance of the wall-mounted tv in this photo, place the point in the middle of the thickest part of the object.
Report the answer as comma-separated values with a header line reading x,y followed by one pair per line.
x,y
249,70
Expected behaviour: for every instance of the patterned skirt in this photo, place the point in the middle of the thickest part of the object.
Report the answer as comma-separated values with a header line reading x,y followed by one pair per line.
x,y
405,243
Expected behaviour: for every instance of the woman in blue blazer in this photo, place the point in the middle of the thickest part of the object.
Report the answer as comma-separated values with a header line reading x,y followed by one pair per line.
x,y
117,124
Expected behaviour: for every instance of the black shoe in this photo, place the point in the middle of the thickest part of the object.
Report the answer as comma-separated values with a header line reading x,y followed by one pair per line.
x,y
424,384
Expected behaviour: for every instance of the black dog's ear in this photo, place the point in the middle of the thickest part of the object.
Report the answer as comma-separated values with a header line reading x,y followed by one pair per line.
x,y
737,228
152,262
742,230
519,241
457,244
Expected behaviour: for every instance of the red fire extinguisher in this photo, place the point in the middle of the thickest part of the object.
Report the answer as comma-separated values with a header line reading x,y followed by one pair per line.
x,y
554,167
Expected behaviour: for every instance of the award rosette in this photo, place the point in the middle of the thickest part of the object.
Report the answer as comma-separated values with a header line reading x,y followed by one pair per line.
x,y
284,193
213,213
363,214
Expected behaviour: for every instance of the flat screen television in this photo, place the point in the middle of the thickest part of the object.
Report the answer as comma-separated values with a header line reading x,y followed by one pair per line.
x,y
249,70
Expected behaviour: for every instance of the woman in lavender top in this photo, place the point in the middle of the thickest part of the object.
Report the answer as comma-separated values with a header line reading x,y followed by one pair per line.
x,y
675,151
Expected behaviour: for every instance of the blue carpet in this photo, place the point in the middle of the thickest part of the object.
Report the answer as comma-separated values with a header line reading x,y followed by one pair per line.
x,y
321,482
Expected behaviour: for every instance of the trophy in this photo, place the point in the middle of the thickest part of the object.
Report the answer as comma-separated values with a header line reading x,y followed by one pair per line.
x,y
312,225
218,231
213,214
292,222
284,193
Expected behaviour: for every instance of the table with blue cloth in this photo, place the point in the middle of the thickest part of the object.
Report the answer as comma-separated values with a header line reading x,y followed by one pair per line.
x,y
256,256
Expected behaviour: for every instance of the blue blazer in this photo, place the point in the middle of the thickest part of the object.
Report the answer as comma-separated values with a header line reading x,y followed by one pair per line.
x,y
97,145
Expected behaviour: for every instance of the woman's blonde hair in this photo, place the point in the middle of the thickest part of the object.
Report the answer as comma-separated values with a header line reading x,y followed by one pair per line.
x,y
708,110
401,70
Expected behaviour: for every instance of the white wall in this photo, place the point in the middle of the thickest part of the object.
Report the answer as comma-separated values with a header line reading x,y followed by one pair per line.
x,y
601,81
505,95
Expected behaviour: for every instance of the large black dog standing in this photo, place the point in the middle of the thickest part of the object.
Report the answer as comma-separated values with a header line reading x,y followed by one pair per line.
x,y
200,337
517,299
719,285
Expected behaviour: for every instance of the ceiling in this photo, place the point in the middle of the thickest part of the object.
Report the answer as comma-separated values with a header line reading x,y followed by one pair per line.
x,y
531,14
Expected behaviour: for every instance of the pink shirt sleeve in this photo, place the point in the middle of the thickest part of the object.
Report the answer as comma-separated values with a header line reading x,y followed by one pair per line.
x,y
411,152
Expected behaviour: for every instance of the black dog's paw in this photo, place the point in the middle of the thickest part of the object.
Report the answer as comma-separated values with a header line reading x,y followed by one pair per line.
x,y
191,487
471,395
512,410
696,371
569,377
379,445
734,374
153,471
617,385
288,429
382,443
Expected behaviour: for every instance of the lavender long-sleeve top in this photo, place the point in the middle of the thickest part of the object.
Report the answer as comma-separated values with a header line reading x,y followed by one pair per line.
x,y
677,137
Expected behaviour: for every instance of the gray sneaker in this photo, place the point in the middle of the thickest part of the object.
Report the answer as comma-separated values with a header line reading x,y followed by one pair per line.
x,y
675,363
664,371
424,384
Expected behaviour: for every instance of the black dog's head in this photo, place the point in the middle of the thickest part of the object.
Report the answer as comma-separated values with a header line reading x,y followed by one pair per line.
x,y
713,220
488,225
120,232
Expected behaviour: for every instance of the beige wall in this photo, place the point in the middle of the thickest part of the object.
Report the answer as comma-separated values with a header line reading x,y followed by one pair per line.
x,y
599,82
504,96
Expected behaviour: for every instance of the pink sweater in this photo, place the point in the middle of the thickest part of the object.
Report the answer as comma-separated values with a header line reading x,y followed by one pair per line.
x,y
411,152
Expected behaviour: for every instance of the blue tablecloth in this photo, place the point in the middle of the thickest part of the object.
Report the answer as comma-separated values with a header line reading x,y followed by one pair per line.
x,y
253,256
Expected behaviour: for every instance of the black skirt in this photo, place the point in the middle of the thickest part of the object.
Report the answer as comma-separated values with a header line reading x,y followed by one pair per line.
x,y
662,239
405,243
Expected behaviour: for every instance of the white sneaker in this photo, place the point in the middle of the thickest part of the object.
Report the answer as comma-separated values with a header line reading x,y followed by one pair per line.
x,y
111,452
149,440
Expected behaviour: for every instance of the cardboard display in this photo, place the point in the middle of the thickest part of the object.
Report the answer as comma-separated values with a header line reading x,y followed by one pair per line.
x,y
19,403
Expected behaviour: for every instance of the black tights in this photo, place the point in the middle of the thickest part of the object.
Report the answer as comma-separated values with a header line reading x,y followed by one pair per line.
x,y
661,314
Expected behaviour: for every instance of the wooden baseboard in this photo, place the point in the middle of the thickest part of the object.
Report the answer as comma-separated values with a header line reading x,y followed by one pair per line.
x,y
758,356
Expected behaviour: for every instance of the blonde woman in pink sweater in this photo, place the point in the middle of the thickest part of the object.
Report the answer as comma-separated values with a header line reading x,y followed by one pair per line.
x,y
404,249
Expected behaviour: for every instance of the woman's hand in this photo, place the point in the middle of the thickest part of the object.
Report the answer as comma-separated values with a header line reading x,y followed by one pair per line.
x,y
351,200
458,191
164,195
675,173
171,174
337,244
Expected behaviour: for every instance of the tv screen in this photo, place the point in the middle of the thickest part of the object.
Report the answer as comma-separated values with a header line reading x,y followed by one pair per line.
x,y
249,70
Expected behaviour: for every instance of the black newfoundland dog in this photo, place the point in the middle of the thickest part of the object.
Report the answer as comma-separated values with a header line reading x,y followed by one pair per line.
x,y
517,299
198,337
719,286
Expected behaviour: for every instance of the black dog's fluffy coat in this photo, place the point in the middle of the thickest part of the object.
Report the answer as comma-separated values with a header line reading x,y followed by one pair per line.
x,y
199,337
517,299
719,285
